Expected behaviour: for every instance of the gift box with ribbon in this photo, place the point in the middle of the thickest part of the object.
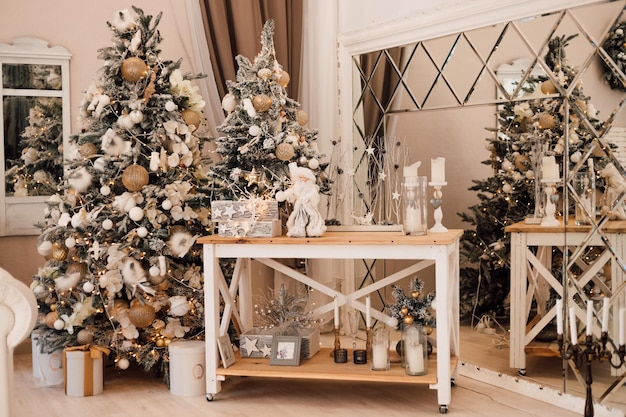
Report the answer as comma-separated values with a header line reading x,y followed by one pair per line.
x,y
83,370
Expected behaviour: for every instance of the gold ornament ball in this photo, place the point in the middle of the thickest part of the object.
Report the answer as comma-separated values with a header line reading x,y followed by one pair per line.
x,y
160,343
77,268
192,118
408,319
262,102
135,177
404,311
87,149
546,120
428,329
522,162
134,69
84,337
302,118
283,79
59,251
285,151
415,294
547,87
141,315
50,318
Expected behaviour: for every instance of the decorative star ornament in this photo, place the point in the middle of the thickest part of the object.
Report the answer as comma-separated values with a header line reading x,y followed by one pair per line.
x,y
395,195
382,176
350,172
217,212
253,178
229,211
267,350
249,345
370,151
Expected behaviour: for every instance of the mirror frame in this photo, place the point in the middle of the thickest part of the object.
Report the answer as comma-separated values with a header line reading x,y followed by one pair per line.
x,y
19,215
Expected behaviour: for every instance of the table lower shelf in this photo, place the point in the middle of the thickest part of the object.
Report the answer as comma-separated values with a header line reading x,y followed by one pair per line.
x,y
322,366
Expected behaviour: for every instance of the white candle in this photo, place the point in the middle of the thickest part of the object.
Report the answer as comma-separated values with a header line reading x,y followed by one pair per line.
x,y
589,330
621,326
380,354
605,315
559,316
368,314
550,171
336,312
438,170
411,170
573,330
415,358
412,220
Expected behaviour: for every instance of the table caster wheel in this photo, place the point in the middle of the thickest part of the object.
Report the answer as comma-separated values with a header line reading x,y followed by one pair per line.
x,y
522,372
209,397
443,409
452,382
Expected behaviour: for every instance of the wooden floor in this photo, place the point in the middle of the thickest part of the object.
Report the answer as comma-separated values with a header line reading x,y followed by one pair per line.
x,y
138,394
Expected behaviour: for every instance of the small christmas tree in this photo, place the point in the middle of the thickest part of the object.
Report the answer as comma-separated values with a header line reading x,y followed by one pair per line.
x,y
264,131
527,130
414,307
123,270
40,167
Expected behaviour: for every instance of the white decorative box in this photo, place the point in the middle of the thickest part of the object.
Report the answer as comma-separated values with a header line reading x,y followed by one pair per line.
x,y
249,228
254,209
187,374
257,343
83,370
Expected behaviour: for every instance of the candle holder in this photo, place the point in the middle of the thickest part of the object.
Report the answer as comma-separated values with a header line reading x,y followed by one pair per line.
x,y
583,354
551,199
436,202
340,355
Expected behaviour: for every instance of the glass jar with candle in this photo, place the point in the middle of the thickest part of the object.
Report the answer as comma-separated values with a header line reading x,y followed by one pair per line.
x,y
380,350
414,349
414,206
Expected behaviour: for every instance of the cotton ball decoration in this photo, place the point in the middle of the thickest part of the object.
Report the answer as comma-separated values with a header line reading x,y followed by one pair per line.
x,y
123,21
248,107
84,337
107,224
136,116
314,163
142,232
229,103
123,363
254,130
262,102
302,118
285,151
265,73
88,287
64,219
134,69
44,248
179,306
280,196
136,213
59,324
135,177
125,121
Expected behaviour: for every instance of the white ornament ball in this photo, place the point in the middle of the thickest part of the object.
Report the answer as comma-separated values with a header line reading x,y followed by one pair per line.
x,y
576,157
302,160
179,306
84,337
254,130
136,213
123,363
88,287
530,174
65,219
107,224
507,188
229,102
99,164
70,242
44,248
59,324
142,231
265,73
170,106
280,196
154,271
136,116
166,204
314,163
39,290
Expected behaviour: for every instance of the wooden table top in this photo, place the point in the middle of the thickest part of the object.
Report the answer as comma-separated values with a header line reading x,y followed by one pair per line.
x,y
613,226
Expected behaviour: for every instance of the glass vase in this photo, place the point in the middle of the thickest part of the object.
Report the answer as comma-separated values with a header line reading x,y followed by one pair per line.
x,y
414,349
414,206
380,350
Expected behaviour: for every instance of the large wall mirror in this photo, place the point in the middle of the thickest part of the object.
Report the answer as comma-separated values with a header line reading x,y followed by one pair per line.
x,y
35,128
445,96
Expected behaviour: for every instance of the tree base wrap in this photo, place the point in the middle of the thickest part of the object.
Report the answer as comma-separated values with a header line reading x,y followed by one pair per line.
x,y
83,370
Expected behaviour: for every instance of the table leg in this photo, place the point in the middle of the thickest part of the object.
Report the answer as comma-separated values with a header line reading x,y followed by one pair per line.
x,y
517,358
211,319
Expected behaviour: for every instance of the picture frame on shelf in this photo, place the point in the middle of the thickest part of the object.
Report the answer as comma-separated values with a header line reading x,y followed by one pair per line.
x,y
226,350
286,350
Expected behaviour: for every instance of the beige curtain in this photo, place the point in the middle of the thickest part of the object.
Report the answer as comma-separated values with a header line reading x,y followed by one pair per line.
x,y
233,27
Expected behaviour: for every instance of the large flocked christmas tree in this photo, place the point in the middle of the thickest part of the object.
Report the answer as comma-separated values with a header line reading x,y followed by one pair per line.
x,y
526,131
264,131
123,270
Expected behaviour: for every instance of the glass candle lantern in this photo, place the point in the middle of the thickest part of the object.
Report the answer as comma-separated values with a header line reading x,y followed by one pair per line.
x,y
380,350
414,349
414,206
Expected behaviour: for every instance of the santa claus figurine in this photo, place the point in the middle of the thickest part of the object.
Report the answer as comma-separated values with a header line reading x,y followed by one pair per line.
x,y
305,219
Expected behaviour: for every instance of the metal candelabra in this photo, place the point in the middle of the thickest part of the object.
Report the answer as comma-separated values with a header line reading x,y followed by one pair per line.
x,y
583,354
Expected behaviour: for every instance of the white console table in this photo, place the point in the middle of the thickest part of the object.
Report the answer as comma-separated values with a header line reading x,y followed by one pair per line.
x,y
440,249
